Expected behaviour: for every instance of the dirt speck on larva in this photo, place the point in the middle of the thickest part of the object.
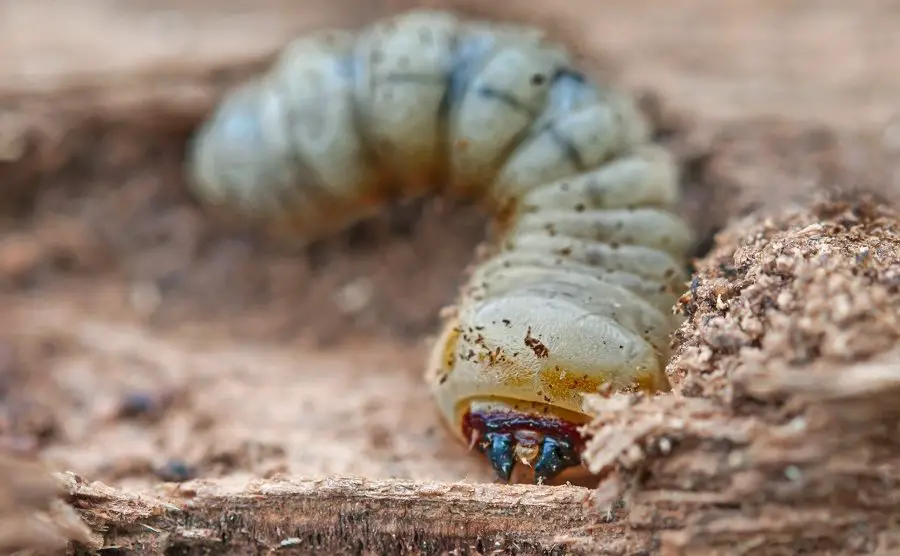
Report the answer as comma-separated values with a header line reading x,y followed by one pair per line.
x,y
541,351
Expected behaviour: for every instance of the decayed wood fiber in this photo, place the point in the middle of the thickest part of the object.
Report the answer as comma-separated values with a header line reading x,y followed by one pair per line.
x,y
782,438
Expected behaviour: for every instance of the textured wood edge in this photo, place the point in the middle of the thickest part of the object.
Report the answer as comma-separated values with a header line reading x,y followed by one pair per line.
x,y
338,515
781,438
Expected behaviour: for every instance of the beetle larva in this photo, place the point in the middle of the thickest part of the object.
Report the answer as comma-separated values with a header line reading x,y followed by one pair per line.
x,y
575,295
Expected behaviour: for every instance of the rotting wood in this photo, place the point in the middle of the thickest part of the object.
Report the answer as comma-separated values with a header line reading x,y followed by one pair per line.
x,y
784,439
32,517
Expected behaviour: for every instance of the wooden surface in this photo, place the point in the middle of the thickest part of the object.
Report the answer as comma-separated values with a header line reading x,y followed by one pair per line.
x,y
341,515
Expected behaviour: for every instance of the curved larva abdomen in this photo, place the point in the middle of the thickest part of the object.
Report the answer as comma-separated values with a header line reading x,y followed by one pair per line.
x,y
497,90
294,125
576,292
400,64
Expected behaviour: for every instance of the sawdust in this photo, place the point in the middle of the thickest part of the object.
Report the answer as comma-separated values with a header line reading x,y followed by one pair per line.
x,y
816,287
780,437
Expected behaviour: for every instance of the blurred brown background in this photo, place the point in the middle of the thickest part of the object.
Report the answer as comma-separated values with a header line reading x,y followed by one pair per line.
x,y
810,59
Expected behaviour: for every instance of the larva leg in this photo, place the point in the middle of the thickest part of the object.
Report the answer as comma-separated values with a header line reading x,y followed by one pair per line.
x,y
546,349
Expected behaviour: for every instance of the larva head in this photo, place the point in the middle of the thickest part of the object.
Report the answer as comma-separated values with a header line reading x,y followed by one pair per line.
x,y
544,439
510,372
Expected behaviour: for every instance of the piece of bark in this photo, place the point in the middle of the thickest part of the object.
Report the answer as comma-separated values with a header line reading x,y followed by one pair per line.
x,y
343,515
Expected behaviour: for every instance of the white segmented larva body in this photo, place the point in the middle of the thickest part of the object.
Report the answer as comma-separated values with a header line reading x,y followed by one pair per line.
x,y
495,100
400,65
576,293
312,83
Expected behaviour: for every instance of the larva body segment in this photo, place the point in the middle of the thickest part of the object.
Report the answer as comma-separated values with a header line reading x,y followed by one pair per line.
x,y
581,128
659,296
576,292
402,63
635,259
294,124
600,296
528,342
644,177
315,82
498,86
651,227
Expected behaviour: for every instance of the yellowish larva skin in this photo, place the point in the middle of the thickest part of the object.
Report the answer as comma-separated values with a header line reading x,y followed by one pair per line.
x,y
576,292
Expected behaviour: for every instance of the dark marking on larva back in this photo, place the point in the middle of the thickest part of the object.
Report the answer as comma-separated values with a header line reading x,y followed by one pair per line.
x,y
572,83
566,146
508,100
470,55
